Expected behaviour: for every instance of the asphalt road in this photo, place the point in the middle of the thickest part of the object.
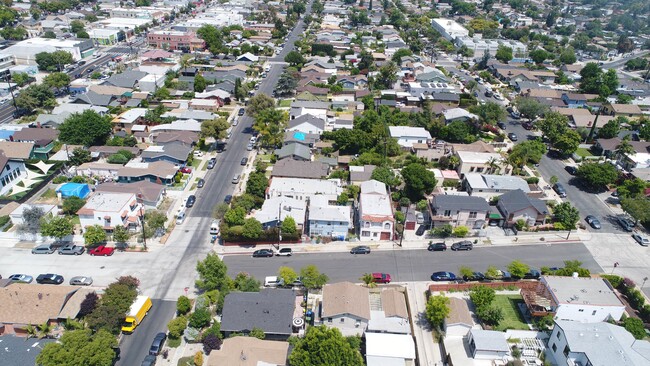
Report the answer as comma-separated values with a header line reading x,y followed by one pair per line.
x,y
218,185
413,265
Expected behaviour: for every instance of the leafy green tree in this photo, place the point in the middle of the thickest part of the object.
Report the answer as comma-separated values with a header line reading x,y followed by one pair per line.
x,y
35,97
20,78
568,142
531,108
504,54
369,280
252,228
200,83
567,215
635,327
460,231
458,131
215,128
32,219
235,216
631,188
387,75
594,80
257,333
76,26
259,102
288,225
638,208
568,56
79,347
155,219
53,61
530,151
200,318
57,80
72,204
116,301
94,235
609,129
56,227
518,269
294,58
79,156
271,124
419,181
402,52
597,175
490,315
87,128
312,278
482,296
177,326
245,282
539,55
489,113
257,184
287,84
183,305
213,38
287,274
342,199
121,234
324,346
553,125
212,273
49,35
437,309
492,272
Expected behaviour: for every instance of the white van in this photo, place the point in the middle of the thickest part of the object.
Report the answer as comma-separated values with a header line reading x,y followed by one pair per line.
x,y
272,281
214,227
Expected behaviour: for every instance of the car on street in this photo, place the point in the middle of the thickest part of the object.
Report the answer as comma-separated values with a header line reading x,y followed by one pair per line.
x,y
228,198
180,218
489,93
626,224
186,170
43,249
102,250
443,276
81,281
250,147
191,200
211,163
263,253
157,344
71,249
571,169
241,111
593,221
244,161
501,125
149,360
513,137
379,277
437,247
286,252
532,274
200,183
235,179
499,275
527,125
49,279
19,277
559,189
462,245
515,115
475,276
641,239
361,249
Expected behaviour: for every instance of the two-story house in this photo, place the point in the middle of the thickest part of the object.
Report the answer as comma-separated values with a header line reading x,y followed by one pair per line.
x,y
308,124
128,118
327,220
376,221
11,172
579,299
479,162
517,205
110,210
455,210
630,111
346,306
42,138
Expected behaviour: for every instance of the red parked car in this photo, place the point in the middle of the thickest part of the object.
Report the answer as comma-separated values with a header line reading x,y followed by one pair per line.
x,y
102,250
381,277
186,170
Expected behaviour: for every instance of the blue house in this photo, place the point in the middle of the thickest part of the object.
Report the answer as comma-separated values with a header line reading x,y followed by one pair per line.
x,y
574,100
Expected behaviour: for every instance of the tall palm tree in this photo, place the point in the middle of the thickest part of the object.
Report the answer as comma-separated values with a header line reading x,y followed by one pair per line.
x,y
493,166
624,148
44,329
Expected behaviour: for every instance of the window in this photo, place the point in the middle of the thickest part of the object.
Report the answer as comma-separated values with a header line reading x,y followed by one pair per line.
x,y
342,320
581,310
329,320
559,336
471,170
472,215
554,347
387,226
593,313
447,213
479,170
366,224
365,233
374,235
566,351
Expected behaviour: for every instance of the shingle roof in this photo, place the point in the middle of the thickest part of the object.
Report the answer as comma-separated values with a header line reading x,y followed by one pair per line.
x,y
307,118
458,312
44,302
161,169
127,79
299,150
517,200
39,136
17,150
346,298
150,191
249,351
93,98
176,151
270,310
19,351
299,169
394,303
186,137
443,202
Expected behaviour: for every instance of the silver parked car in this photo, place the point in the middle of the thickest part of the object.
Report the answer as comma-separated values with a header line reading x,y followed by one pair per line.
x,y
43,249
81,281
19,277
71,249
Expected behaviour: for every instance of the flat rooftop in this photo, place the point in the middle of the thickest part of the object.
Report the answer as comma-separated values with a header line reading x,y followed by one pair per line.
x,y
581,290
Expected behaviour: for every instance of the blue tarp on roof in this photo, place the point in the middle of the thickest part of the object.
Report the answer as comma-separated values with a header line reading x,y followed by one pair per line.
x,y
80,190
300,136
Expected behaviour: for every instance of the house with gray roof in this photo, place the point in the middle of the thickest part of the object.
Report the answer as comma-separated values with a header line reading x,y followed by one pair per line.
x,y
291,168
488,344
95,99
518,205
297,137
294,151
126,79
175,153
307,123
575,343
456,211
271,310
360,174
489,185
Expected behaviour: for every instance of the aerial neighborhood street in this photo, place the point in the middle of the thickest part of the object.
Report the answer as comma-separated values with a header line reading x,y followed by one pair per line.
x,y
324,182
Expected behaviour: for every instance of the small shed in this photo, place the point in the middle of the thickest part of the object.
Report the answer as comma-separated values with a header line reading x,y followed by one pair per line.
x,y
487,344
80,190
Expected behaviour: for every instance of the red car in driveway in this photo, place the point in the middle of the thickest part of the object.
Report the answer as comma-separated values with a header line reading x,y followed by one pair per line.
x,y
381,277
102,250
186,170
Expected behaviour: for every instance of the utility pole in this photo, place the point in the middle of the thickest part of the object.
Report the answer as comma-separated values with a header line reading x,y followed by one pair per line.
x,y
144,237
401,237
279,225
11,90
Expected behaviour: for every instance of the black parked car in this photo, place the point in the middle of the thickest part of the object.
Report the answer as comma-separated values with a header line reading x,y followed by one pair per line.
x,y
361,249
157,344
462,245
421,230
437,247
149,360
228,198
244,161
263,253
571,169
190,201
443,276
476,276
241,111
49,279
200,183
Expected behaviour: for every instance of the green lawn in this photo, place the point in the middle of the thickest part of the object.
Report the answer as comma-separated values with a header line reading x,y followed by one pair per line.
x,y
512,318
196,162
583,152
285,103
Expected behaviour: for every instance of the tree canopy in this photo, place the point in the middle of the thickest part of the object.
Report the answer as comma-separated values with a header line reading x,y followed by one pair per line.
x,y
531,108
419,181
437,309
597,175
212,273
595,81
87,128
56,227
215,128
258,103
271,123
53,61
35,97
79,347
567,215
323,345
504,54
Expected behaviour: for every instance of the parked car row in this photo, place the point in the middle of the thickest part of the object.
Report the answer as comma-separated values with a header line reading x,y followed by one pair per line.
x,y
50,279
502,275
72,249
283,252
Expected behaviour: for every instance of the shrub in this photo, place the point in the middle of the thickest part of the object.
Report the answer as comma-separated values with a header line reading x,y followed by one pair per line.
x,y
532,180
177,326
614,280
211,342
443,231
60,179
200,318
183,305
520,224
460,231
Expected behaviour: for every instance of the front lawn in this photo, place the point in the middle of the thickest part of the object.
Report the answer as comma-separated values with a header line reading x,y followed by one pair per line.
x,y
583,153
512,318
285,103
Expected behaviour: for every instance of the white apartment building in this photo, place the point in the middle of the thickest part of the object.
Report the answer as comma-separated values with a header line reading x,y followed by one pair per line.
x,y
376,221
110,210
448,28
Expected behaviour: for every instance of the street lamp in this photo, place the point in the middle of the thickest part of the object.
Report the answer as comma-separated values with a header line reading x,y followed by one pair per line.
x,y
644,279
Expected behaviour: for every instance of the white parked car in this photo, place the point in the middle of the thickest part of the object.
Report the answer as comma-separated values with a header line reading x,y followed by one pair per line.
x,y
81,281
